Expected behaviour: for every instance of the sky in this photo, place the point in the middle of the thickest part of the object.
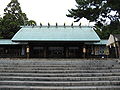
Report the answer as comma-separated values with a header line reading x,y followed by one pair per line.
x,y
44,11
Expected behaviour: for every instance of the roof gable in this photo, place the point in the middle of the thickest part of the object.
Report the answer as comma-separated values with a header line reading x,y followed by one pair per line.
x,y
113,38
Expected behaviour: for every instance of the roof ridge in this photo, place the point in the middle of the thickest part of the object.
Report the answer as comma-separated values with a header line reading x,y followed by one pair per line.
x,y
55,26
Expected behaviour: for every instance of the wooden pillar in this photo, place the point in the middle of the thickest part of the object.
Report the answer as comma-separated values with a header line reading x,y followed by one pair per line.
x,y
45,51
119,49
66,52
116,50
23,50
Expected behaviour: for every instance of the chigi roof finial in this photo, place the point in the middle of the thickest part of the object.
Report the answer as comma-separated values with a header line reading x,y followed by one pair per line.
x,y
72,25
40,25
33,26
48,24
80,25
56,24
64,25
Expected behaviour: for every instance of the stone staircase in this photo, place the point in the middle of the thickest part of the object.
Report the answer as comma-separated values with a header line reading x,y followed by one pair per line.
x,y
59,74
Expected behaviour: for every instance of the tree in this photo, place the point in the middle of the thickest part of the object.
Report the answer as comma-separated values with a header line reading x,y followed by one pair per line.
x,y
99,11
112,28
13,8
31,23
9,27
1,27
96,10
12,20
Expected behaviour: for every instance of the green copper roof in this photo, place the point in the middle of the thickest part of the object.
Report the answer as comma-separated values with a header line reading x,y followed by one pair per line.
x,y
102,42
53,33
9,42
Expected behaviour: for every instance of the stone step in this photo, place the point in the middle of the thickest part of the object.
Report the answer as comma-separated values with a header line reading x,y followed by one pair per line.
x,y
60,83
7,87
20,78
57,68
61,71
60,74
3,60
85,62
52,64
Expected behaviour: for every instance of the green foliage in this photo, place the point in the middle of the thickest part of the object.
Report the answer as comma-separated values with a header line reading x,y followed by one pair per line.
x,y
99,11
31,23
1,28
8,27
14,9
12,20
112,28
96,10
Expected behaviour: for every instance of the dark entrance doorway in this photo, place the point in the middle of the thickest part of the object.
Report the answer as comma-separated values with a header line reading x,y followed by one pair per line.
x,y
75,52
56,52
37,52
